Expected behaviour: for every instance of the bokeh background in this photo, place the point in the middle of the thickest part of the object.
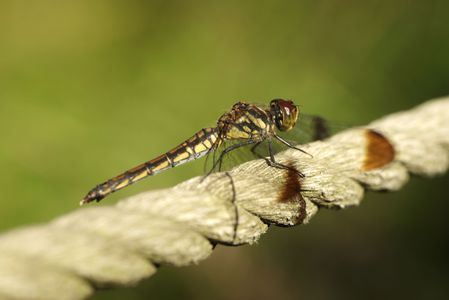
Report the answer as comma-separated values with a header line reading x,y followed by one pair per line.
x,y
91,88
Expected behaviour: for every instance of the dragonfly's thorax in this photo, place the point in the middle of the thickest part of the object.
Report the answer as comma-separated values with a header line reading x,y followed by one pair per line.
x,y
246,121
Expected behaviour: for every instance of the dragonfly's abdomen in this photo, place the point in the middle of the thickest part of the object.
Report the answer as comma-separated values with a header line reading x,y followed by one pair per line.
x,y
197,146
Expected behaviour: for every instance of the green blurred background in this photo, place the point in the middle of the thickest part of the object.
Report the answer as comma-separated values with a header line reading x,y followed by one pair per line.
x,y
91,88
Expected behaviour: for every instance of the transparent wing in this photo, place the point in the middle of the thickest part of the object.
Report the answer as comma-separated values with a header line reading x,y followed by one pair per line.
x,y
229,154
312,128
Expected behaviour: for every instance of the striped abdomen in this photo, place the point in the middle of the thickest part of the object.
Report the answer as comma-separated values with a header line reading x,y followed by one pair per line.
x,y
197,146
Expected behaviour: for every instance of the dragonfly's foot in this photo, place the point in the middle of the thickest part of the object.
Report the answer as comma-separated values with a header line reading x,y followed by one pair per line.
x,y
303,151
284,167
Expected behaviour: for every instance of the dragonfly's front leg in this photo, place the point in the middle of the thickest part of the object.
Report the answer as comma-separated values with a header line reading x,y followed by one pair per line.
x,y
253,150
226,151
273,163
288,144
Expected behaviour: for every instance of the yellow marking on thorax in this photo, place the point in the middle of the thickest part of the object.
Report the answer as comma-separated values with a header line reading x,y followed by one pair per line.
x,y
257,121
246,119
235,133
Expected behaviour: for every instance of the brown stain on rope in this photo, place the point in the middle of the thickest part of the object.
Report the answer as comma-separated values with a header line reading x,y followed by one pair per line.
x,y
291,190
379,151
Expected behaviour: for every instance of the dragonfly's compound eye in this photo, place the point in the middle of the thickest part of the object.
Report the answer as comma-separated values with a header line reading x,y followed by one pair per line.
x,y
285,113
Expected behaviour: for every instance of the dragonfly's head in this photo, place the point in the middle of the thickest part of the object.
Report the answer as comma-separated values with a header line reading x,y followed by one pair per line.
x,y
285,113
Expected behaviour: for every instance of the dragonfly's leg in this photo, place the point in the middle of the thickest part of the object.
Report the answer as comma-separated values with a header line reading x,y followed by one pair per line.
x,y
214,162
210,155
253,149
226,151
213,150
220,162
288,144
273,163
220,159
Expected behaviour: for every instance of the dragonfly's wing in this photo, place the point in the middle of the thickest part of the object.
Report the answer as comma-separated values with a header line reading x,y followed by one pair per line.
x,y
311,128
229,154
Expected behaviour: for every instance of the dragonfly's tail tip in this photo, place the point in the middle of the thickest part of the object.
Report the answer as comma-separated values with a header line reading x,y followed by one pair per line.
x,y
90,197
85,201
94,195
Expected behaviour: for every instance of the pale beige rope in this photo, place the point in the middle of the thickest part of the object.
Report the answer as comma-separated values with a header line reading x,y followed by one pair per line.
x,y
119,245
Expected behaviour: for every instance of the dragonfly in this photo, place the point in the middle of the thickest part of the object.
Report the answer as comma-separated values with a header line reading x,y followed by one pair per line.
x,y
244,124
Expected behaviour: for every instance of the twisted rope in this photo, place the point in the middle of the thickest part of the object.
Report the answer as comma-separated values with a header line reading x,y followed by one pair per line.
x,y
121,244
